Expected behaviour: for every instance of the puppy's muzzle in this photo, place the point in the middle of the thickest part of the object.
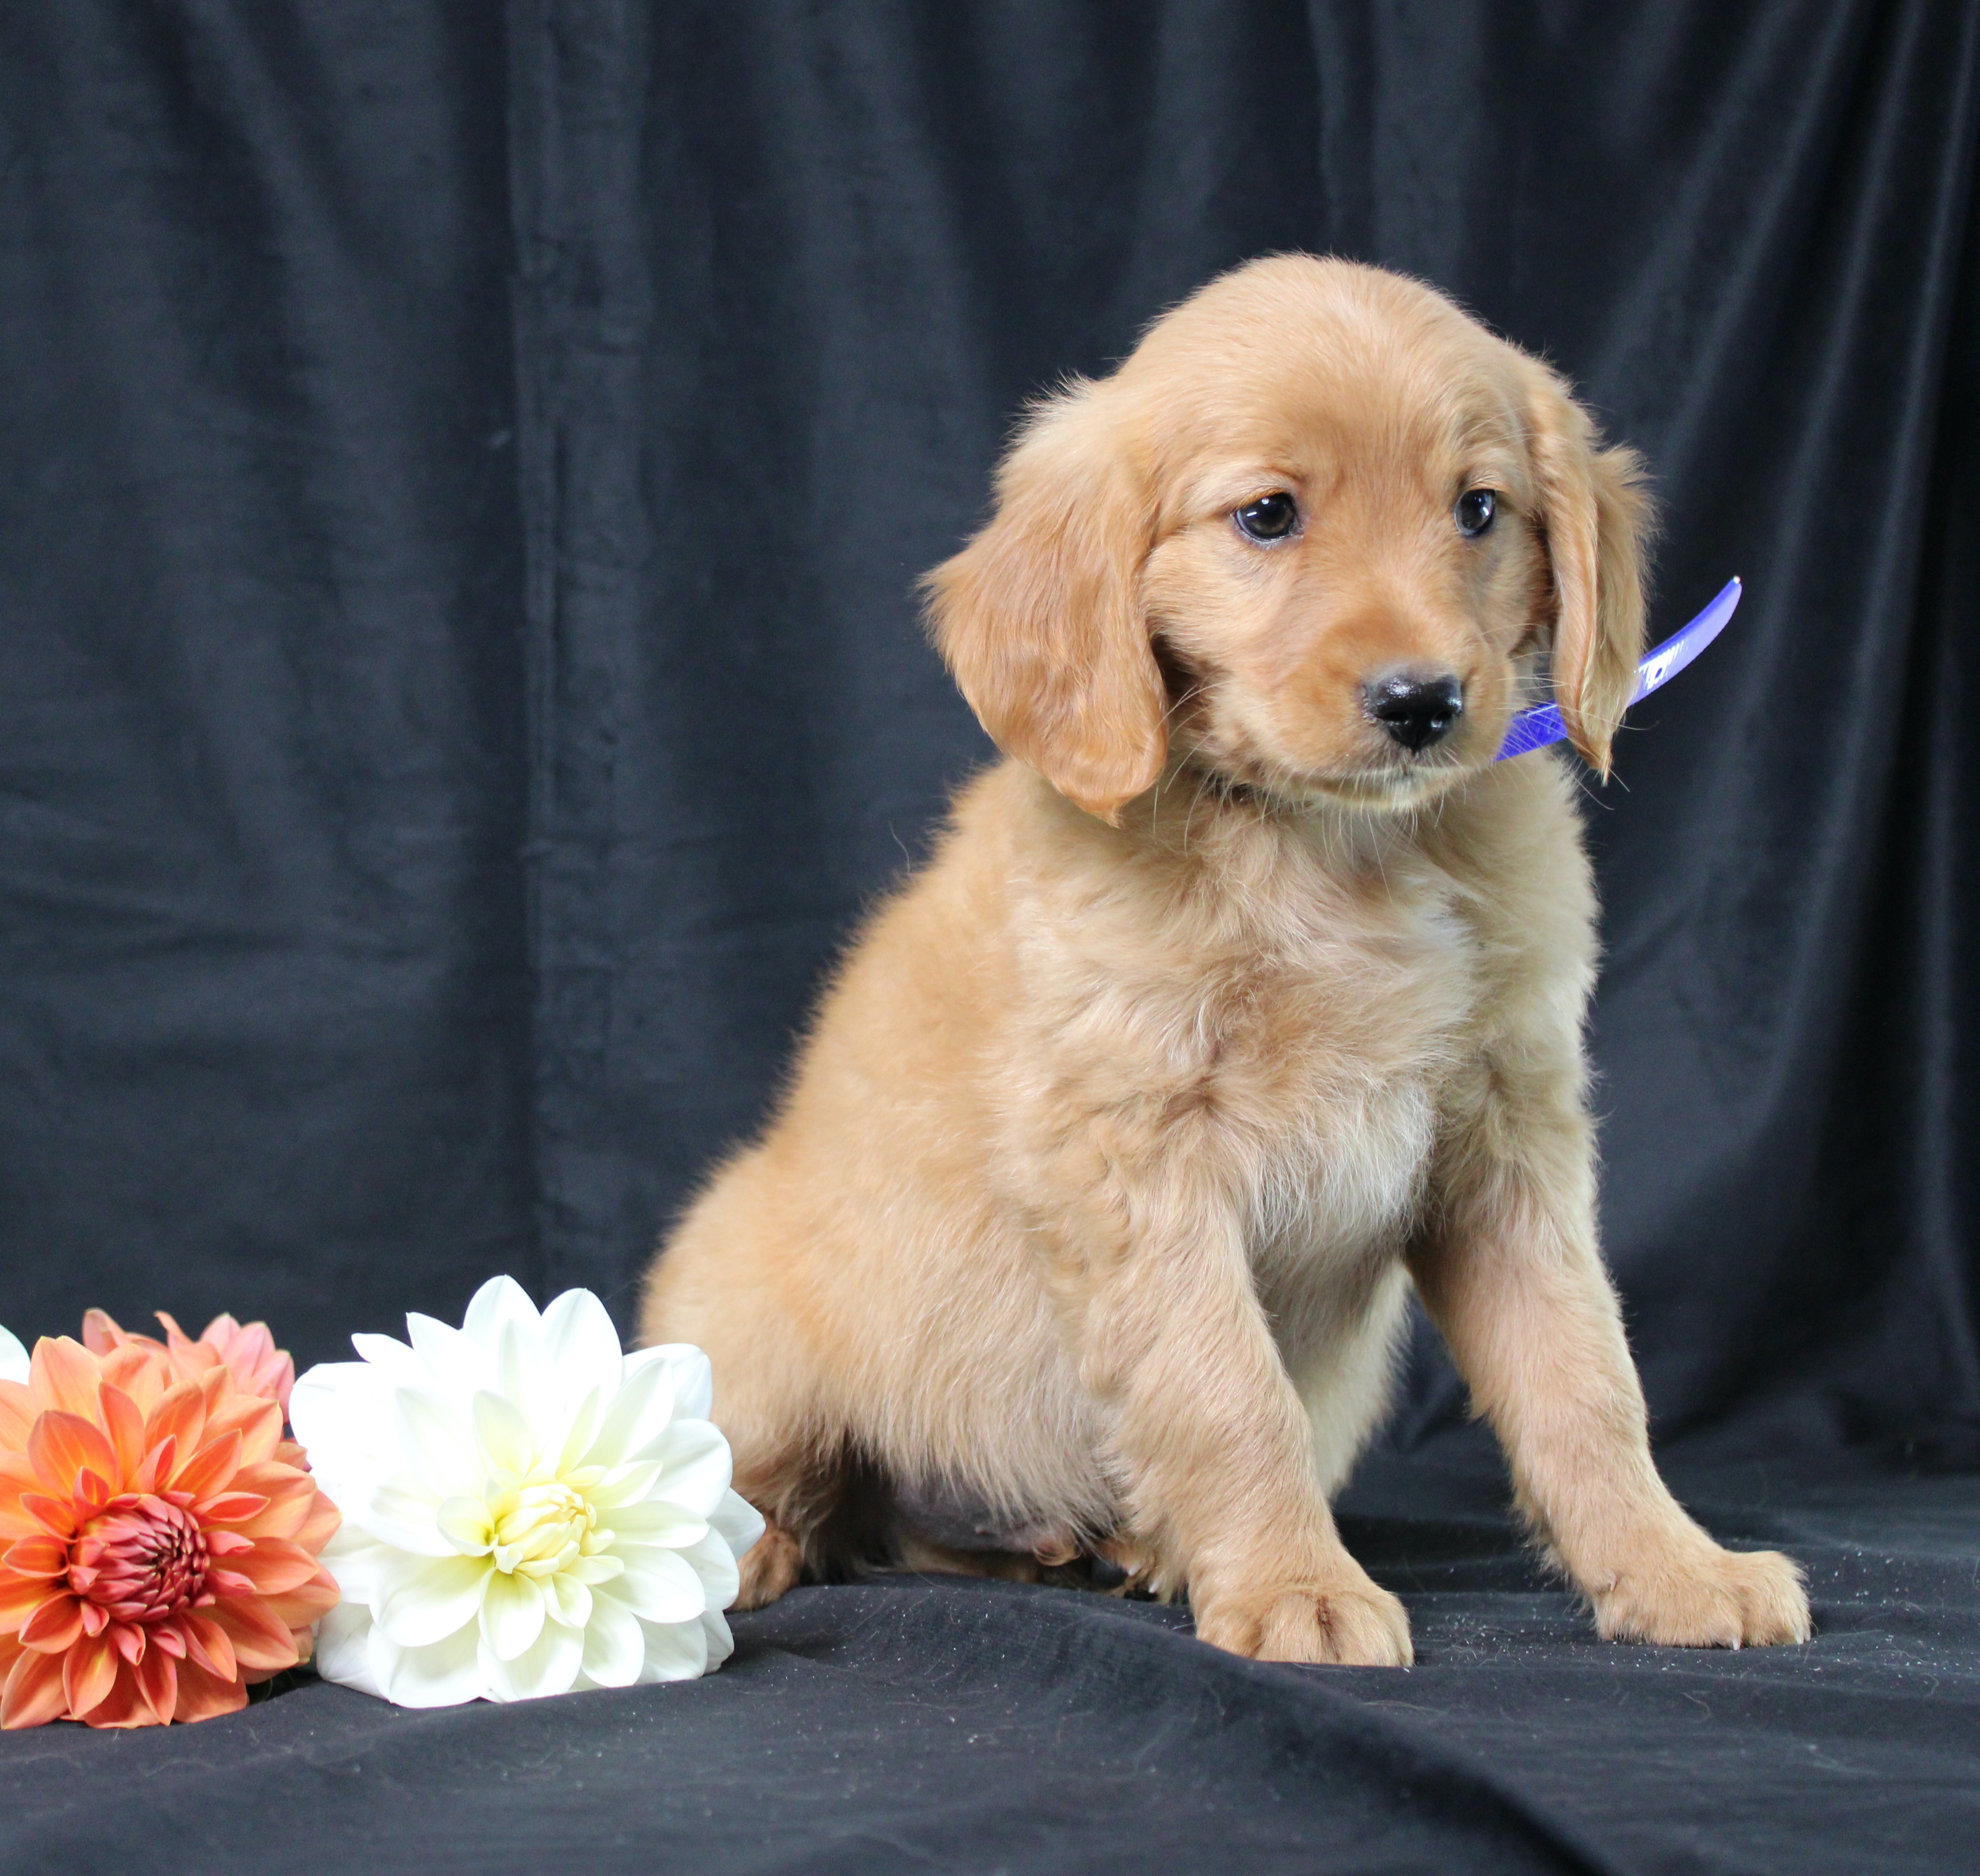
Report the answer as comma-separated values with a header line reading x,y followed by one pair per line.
x,y
1416,710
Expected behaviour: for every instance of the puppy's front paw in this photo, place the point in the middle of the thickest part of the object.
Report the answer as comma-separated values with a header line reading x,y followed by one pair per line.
x,y
1345,1622
1704,1597
769,1567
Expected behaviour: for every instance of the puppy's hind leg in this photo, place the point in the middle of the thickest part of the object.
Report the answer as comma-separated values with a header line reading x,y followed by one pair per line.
x,y
825,1518
717,1284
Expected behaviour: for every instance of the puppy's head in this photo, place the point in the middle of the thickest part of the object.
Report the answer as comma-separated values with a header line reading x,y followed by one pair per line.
x,y
1315,531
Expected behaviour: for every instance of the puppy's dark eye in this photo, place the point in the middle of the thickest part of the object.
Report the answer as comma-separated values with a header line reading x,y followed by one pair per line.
x,y
1474,511
1270,517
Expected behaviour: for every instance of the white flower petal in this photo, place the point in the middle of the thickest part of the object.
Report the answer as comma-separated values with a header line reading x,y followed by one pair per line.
x,y
393,1359
582,1430
464,1522
452,1359
424,1602
688,1369
441,1675
549,1665
598,1569
15,1361
403,1514
343,1648
579,1343
518,1373
615,1649
567,1600
655,1520
721,1643
675,1651
512,1614
639,1414
435,1438
626,1484
341,1412
739,1521
695,1465
658,1586
507,1444
714,1562
499,1300
355,1558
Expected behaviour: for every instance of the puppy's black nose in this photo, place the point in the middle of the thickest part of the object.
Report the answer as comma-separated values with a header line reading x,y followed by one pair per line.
x,y
1416,711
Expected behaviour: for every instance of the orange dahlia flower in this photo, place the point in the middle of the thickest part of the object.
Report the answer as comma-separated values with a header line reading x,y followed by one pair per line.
x,y
258,1366
158,1539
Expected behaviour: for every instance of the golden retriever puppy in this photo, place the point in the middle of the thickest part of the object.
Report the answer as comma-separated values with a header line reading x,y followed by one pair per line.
x,y
1246,991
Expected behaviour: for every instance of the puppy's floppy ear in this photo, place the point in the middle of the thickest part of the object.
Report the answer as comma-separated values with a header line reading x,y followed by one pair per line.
x,y
1040,617
1597,520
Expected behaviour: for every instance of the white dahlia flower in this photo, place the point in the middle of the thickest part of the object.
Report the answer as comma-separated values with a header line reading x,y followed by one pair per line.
x,y
13,1358
527,1510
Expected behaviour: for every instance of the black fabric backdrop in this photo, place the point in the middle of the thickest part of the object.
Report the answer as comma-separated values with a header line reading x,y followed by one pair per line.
x,y
461,482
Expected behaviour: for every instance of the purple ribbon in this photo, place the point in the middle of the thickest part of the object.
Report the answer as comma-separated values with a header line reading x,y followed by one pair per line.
x,y
1537,727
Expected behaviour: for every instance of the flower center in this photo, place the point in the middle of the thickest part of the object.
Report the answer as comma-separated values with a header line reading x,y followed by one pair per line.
x,y
540,1530
140,1559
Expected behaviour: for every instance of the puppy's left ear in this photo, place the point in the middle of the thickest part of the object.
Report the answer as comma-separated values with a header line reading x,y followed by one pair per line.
x,y
1598,520
1040,617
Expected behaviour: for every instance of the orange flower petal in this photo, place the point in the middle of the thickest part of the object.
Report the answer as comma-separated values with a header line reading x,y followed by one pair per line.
x,y
100,1333
273,1566
208,1645
260,1639
89,1671
203,1696
158,1463
158,1680
17,1476
55,1514
16,1415
141,1369
260,1422
301,1606
180,1415
40,1555
214,1465
123,1420
323,1523
34,1693
63,1446
62,1376
230,1507
291,1504
124,1706
20,1597
92,1492
55,1626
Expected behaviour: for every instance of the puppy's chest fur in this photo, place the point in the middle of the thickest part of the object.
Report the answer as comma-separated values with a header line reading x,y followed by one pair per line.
x,y
1277,1026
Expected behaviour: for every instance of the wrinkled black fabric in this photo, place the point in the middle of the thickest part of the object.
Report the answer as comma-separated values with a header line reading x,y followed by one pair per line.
x,y
462,480
912,1724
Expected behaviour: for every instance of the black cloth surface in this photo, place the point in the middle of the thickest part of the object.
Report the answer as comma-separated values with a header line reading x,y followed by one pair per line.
x,y
915,1723
462,478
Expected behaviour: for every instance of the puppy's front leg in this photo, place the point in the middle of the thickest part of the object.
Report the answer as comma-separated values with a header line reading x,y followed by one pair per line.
x,y
1510,1273
1211,1439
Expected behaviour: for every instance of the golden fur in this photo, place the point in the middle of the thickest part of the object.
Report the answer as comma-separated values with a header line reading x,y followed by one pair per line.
x,y
1219,1018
